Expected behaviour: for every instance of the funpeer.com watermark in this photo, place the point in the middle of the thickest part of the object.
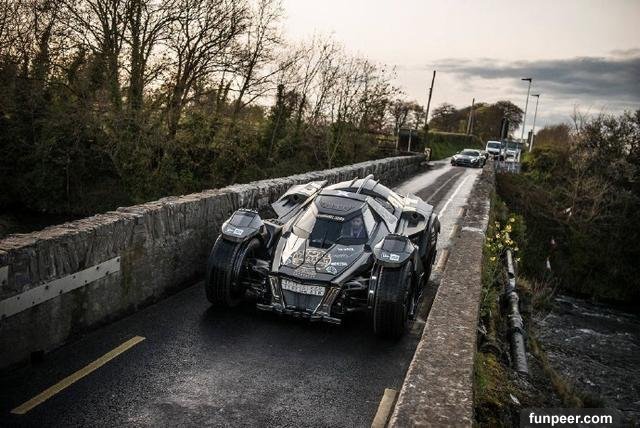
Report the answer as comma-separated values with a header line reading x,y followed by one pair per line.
x,y
560,417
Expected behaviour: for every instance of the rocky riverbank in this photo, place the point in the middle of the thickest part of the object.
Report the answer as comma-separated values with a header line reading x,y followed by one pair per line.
x,y
595,348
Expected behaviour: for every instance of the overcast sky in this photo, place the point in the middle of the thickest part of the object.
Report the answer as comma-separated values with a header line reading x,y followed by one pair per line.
x,y
583,53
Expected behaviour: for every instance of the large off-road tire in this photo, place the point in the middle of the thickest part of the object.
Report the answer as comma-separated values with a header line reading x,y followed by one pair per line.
x,y
227,269
429,240
394,296
431,258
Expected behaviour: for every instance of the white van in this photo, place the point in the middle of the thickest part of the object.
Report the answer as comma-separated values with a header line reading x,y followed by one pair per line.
x,y
495,149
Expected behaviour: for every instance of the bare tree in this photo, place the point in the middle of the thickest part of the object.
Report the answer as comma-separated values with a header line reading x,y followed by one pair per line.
x,y
401,112
309,75
202,33
8,18
102,26
346,103
148,23
256,65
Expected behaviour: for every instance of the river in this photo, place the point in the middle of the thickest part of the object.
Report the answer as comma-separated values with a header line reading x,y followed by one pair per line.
x,y
597,348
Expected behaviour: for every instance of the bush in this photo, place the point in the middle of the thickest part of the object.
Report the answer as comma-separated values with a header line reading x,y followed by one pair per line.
x,y
445,144
580,198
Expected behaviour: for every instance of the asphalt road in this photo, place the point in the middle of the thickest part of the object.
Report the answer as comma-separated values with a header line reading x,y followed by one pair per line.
x,y
203,367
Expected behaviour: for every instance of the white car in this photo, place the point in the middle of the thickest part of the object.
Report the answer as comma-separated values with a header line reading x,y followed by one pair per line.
x,y
513,151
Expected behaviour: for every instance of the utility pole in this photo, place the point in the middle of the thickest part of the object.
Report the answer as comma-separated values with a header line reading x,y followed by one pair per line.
x,y
526,104
469,122
426,118
504,129
535,115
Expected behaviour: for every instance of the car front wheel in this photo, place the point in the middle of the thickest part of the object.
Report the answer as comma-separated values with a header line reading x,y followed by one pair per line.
x,y
229,272
393,301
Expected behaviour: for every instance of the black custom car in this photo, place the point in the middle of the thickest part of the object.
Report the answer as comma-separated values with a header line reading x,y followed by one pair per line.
x,y
354,246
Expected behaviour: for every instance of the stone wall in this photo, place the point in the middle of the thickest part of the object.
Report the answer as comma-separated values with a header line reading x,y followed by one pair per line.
x,y
145,252
438,388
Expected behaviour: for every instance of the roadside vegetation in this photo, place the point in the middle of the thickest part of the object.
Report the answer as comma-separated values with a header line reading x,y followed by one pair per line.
x,y
571,227
495,390
105,103
500,392
579,193
445,144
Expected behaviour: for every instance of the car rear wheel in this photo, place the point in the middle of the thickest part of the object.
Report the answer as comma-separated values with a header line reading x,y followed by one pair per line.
x,y
229,272
393,301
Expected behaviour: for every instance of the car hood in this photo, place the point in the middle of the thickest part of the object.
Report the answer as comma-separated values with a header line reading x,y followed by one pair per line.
x,y
300,260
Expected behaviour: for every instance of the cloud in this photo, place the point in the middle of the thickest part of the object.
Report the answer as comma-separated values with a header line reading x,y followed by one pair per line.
x,y
608,84
626,52
614,80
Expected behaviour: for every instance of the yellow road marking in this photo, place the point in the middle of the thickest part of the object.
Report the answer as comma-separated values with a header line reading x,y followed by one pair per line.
x,y
443,259
71,379
384,408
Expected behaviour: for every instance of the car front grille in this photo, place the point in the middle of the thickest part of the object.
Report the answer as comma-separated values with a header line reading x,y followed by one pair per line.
x,y
302,302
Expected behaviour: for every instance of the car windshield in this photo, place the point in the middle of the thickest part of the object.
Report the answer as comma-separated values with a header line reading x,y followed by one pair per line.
x,y
324,230
469,153
512,146
494,145
327,232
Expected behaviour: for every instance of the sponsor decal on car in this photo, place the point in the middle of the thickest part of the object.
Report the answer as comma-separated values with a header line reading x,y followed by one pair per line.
x,y
391,256
341,256
334,206
306,271
331,217
234,231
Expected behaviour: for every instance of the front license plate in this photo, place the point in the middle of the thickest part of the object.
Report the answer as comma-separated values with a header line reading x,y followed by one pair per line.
x,y
314,290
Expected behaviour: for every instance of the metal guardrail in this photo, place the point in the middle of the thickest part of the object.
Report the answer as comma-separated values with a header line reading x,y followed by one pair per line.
x,y
517,333
504,166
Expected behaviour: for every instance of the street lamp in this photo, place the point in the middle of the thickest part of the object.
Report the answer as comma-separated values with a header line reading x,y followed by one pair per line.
x,y
533,130
524,118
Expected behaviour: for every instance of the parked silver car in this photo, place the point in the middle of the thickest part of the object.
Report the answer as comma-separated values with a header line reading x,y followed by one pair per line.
x,y
468,157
